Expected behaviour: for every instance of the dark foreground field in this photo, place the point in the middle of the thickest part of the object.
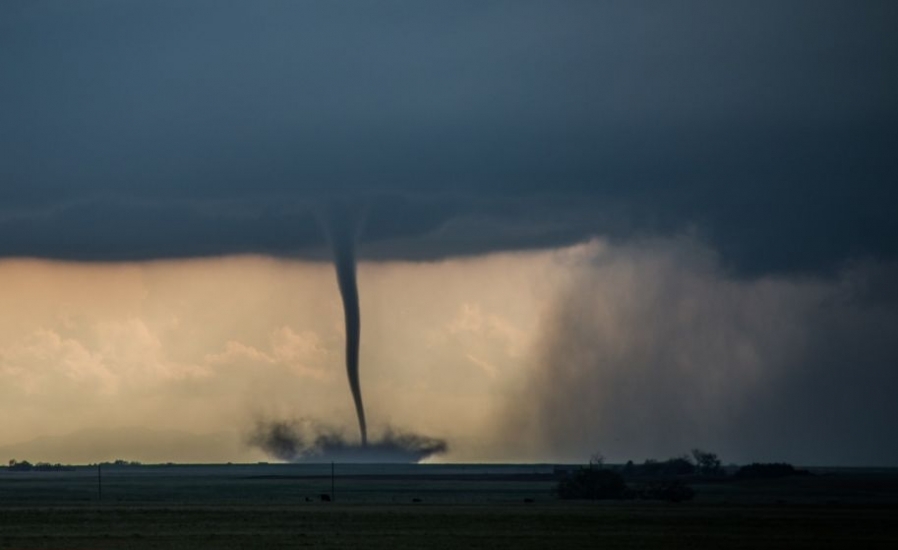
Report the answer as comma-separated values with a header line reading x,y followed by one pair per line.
x,y
267,507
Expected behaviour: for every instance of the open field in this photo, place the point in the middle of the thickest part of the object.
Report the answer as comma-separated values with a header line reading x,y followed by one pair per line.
x,y
266,506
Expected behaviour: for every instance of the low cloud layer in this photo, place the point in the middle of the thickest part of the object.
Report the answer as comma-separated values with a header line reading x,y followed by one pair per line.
x,y
139,131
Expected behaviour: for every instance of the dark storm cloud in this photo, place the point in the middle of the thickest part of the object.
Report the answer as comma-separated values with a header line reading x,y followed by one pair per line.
x,y
653,350
160,129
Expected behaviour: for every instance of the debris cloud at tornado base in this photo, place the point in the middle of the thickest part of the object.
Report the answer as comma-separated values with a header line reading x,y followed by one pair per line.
x,y
310,441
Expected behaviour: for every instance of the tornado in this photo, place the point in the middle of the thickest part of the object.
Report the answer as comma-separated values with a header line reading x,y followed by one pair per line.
x,y
343,227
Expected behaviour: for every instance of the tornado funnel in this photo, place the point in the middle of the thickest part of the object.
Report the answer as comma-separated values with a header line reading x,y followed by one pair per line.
x,y
343,225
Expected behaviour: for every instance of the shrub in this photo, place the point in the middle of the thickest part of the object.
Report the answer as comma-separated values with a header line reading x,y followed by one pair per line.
x,y
771,470
672,467
20,466
672,490
592,484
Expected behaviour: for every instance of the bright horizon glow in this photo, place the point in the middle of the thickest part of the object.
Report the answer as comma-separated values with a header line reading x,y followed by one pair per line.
x,y
639,350
206,346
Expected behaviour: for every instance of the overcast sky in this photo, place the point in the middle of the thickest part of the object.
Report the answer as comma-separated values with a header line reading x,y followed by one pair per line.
x,y
687,208
137,130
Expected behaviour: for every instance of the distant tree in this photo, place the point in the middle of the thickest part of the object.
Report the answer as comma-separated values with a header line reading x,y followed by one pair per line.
x,y
597,460
122,462
707,464
49,467
23,465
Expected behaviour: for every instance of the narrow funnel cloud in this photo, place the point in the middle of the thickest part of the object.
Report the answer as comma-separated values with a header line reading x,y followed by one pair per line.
x,y
343,223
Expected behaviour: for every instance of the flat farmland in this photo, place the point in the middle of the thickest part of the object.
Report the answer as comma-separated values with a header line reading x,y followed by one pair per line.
x,y
279,506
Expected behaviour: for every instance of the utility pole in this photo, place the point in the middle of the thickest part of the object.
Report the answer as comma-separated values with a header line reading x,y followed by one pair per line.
x,y
333,494
99,481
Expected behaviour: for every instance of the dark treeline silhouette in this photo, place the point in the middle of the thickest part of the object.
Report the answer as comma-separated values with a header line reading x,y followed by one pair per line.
x,y
659,479
25,466
651,468
120,463
607,484
700,463
772,470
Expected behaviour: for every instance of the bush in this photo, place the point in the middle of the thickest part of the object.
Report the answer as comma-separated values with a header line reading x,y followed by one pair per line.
x,y
25,466
592,484
672,467
671,491
771,470
20,466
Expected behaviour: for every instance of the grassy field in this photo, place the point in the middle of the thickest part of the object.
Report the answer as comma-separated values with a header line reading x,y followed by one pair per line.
x,y
277,507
